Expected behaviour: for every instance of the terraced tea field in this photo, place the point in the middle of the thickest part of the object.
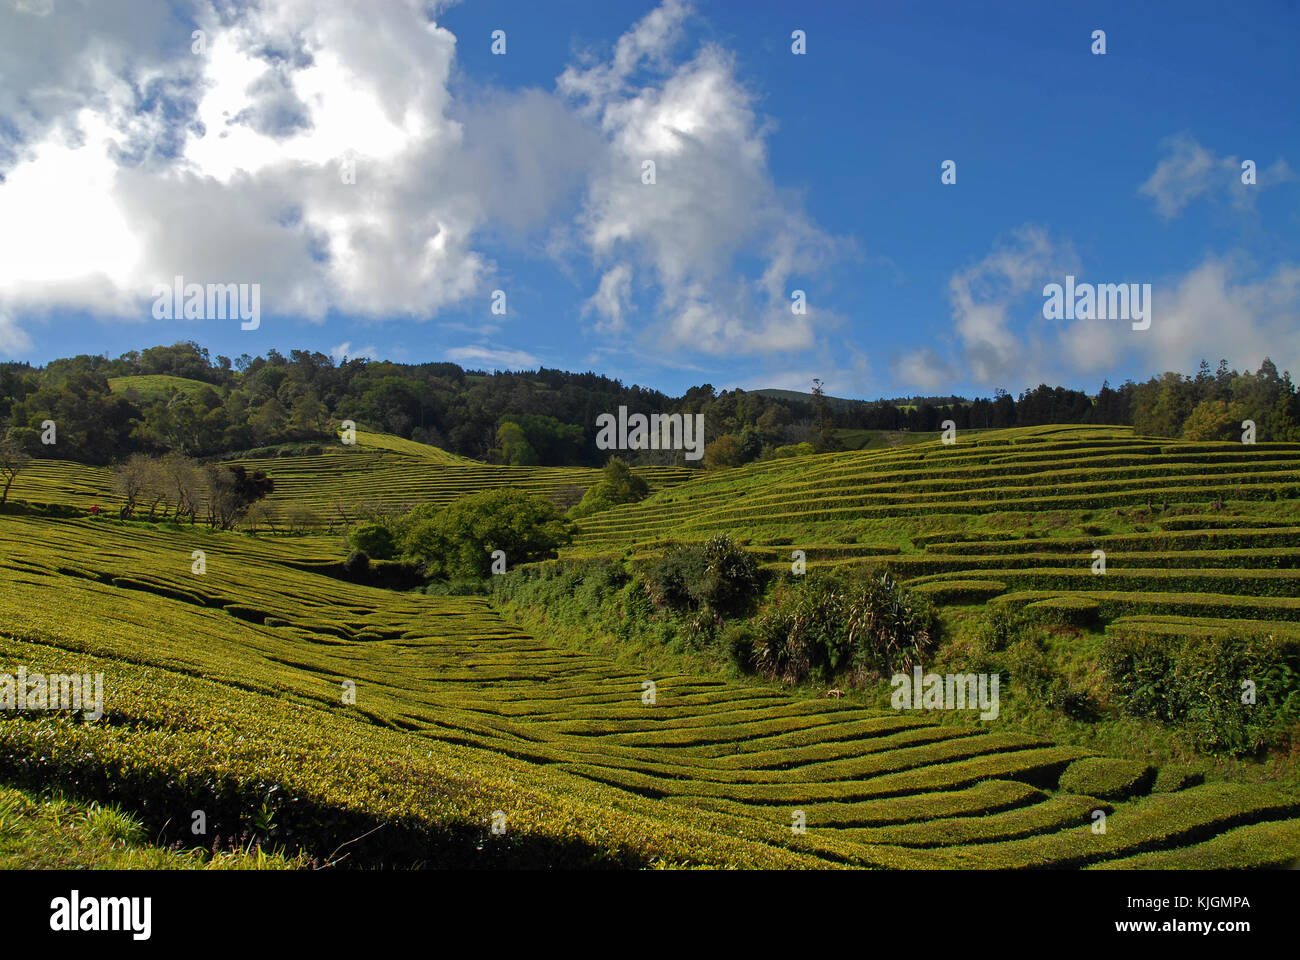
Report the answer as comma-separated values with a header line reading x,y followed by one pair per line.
x,y
1194,534
377,469
225,692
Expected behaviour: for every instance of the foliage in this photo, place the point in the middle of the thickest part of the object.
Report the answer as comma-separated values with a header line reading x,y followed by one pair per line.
x,y
717,577
458,540
617,485
827,624
376,539
1234,694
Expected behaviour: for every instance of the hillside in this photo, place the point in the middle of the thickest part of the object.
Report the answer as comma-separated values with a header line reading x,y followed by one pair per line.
x,y
225,692
1203,530
378,468
226,688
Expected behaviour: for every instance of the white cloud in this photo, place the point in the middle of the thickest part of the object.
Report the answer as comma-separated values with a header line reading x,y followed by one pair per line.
x,y
924,370
1188,171
1213,310
493,358
983,296
712,202
127,159
14,341
611,299
237,176
344,351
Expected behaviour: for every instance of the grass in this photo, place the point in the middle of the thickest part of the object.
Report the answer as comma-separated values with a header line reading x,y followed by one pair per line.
x,y
39,832
158,386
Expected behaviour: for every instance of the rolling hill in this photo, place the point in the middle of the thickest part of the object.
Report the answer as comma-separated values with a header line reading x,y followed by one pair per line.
x,y
227,689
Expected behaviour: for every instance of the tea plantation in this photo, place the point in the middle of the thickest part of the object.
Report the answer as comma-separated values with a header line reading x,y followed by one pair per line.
x,y
370,727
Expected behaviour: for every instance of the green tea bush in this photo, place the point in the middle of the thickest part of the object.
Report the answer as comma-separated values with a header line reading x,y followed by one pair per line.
x,y
1108,778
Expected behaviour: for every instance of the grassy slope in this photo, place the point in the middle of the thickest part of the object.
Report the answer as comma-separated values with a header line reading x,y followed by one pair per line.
x,y
378,468
155,386
39,832
224,693
227,685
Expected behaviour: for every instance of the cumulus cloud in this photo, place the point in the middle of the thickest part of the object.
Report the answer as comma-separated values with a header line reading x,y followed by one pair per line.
x,y
1215,308
712,199
311,147
1189,171
314,147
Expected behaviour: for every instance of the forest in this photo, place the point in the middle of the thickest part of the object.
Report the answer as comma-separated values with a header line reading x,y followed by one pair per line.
x,y
178,399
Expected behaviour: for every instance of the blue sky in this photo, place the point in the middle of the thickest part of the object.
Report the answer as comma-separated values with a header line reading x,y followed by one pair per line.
x,y
128,158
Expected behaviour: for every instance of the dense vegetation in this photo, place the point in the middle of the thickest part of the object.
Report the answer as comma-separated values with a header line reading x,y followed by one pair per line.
x,y
178,399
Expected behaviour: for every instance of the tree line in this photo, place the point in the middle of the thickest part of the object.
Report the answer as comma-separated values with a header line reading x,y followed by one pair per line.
x,y
182,401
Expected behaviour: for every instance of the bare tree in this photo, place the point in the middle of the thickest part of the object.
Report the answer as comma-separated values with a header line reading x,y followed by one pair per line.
x,y
131,482
300,518
156,488
188,483
261,513
13,461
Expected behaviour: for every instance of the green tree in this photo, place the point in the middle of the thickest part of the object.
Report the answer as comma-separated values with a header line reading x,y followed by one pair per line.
x,y
458,540
1214,420
823,435
618,484
723,452
513,446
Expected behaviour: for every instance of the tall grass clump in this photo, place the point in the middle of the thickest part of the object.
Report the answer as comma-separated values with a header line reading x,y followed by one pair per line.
x,y
829,624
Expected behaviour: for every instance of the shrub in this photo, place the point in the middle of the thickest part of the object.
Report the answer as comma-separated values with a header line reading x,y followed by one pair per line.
x,y
1199,681
829,623
717,576
458,541
375,539
357,564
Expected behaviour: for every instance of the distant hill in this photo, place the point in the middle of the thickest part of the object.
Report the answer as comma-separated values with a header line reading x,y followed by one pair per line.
x,y
158,385
796,396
